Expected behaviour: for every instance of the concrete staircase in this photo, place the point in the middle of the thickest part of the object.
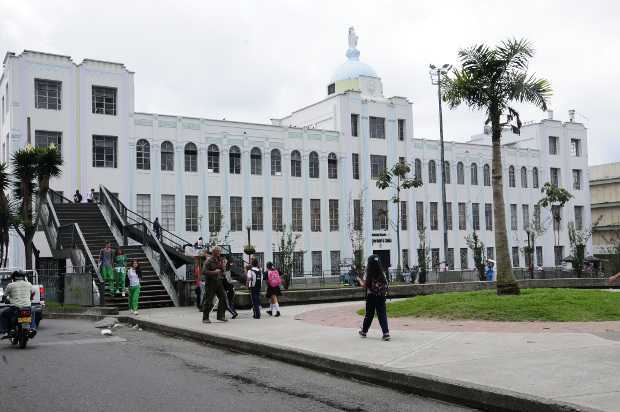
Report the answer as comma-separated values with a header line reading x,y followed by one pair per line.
x,y
97,233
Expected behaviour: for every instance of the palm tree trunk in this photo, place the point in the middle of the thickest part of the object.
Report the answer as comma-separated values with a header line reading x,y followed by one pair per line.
x,y
506,284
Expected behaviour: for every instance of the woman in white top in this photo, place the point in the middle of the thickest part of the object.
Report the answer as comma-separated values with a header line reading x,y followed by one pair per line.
x,y
254,284
133,274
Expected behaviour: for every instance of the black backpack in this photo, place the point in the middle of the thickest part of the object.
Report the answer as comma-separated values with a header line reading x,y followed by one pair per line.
x,y
259,278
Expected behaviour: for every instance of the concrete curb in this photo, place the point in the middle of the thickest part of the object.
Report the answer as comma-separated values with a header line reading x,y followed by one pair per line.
x,y
68,315
464,393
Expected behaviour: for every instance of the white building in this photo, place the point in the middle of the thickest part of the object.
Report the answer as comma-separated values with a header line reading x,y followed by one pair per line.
x,y
309,170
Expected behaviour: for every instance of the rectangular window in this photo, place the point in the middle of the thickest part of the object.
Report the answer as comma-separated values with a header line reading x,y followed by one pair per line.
x,y
405,258
143,205
515,257
334,217
167,212
191,213
539,256
355,122
315,215
296,215
553,145
257,213
525,209
401,129
379,215
215,213
435,259
576,179
449,215
419,215
355,163
555,176
236,215
334,262
377,165
464,259
556,210
450,258
490,253
377,127
579,217
47,94
434,219
537,216
298,263
475,215
558,253
462,216
45,138
513,217
357,214
104,151
317,262
403,216
575,147
104,100
488,216
276,214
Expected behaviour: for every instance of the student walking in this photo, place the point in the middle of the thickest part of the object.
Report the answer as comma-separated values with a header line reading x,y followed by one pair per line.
x,y
134,274
273,289
77,197
90,196
157,228
213,270
254,284
120,267
105,267
376,286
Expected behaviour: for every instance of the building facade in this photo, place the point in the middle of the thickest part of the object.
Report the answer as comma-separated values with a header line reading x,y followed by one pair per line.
x,y
605,189
313,170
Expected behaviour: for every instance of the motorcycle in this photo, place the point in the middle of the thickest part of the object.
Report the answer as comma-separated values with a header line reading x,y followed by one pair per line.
x,y
22,326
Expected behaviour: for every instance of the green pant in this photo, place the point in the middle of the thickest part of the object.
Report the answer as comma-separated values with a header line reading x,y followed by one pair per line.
x,y
119,274
134,294
108,277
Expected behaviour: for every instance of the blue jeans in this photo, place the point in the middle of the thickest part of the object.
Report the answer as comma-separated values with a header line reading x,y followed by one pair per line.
x,y
255,295
375,303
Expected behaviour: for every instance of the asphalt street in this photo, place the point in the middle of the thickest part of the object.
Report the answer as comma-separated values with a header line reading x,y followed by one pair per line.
x,y
70,366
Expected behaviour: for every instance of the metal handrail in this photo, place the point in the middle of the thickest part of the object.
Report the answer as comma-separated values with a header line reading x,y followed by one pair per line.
x,y
54,193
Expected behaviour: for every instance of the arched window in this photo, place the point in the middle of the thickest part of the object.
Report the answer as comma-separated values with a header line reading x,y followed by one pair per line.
x,y
143,155
474,174
313,165
486,171
213,159
432,172
234,160
332,166
535,178
523,177
446,171
295,164
511,176
256,162
276,163
191,158
167,156
460,173
417,170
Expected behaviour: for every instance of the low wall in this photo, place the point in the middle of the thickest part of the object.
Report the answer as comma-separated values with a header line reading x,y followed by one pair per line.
x,y
296,297
78,289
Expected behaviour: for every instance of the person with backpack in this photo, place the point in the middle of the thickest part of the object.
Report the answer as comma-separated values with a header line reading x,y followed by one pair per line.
x,y
376,286
273,290
253,282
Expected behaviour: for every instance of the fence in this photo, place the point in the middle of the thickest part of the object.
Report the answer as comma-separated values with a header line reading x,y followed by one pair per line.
x,y
74,287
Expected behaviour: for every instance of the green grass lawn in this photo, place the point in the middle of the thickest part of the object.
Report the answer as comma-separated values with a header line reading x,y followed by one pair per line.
x,y
51,306
559,305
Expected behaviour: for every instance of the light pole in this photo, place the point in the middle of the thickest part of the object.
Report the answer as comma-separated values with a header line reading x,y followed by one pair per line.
x,y
436,73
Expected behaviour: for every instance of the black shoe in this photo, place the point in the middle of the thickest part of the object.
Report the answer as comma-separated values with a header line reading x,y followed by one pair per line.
x,y
206,321
270,313
386,337
277,314
234,315
362,333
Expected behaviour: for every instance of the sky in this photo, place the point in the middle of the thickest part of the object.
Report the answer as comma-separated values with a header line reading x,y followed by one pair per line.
x,y
256,60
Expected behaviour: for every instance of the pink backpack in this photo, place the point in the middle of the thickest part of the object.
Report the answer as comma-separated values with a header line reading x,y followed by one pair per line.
x,y
273,278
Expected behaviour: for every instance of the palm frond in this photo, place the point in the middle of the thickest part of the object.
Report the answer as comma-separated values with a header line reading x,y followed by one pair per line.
x,y
529,89
515,54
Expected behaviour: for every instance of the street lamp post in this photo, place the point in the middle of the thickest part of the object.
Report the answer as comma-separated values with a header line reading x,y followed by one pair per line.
x,y
436,73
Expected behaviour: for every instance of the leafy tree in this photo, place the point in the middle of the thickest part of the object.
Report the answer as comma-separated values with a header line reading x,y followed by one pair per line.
x,y
216,236
286,249
424,258
356,234
396,179
477,246
578,240
534,229
491,79
554,198
32,170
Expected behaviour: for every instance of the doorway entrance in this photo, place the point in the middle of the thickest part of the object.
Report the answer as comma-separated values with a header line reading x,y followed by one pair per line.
x,y
384,257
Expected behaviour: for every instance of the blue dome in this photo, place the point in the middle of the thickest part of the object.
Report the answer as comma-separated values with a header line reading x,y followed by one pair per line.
x,y
352,69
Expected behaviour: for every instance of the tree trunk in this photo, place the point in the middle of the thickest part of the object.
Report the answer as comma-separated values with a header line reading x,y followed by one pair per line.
x,y
28,251
506,284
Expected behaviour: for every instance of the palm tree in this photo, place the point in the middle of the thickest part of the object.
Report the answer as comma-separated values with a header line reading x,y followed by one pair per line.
x,y
32,169
490,79
7,214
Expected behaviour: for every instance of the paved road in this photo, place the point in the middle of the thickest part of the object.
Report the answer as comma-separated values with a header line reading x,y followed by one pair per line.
x,y
74,368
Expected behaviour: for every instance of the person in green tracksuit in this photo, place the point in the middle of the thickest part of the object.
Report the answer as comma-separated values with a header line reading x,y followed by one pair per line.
x,y
120,268
134,286
105,266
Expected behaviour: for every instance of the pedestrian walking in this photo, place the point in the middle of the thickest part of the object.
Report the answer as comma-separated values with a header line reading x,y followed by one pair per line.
x,y
120,267
273,289
77,197
213,271
90,196
229,288
157,228
134,274
376,286
490,271
105,266
254,281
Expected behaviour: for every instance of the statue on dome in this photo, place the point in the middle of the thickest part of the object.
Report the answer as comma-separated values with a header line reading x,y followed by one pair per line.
x,y
352,38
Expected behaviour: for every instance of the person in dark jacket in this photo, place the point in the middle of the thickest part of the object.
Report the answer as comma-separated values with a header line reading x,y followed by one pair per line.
x,y
376,286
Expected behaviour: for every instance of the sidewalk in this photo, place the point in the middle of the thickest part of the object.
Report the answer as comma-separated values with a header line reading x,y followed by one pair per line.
x,y
578,364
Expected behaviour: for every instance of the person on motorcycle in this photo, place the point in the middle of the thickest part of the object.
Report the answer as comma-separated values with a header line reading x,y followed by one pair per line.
x,y
19,294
